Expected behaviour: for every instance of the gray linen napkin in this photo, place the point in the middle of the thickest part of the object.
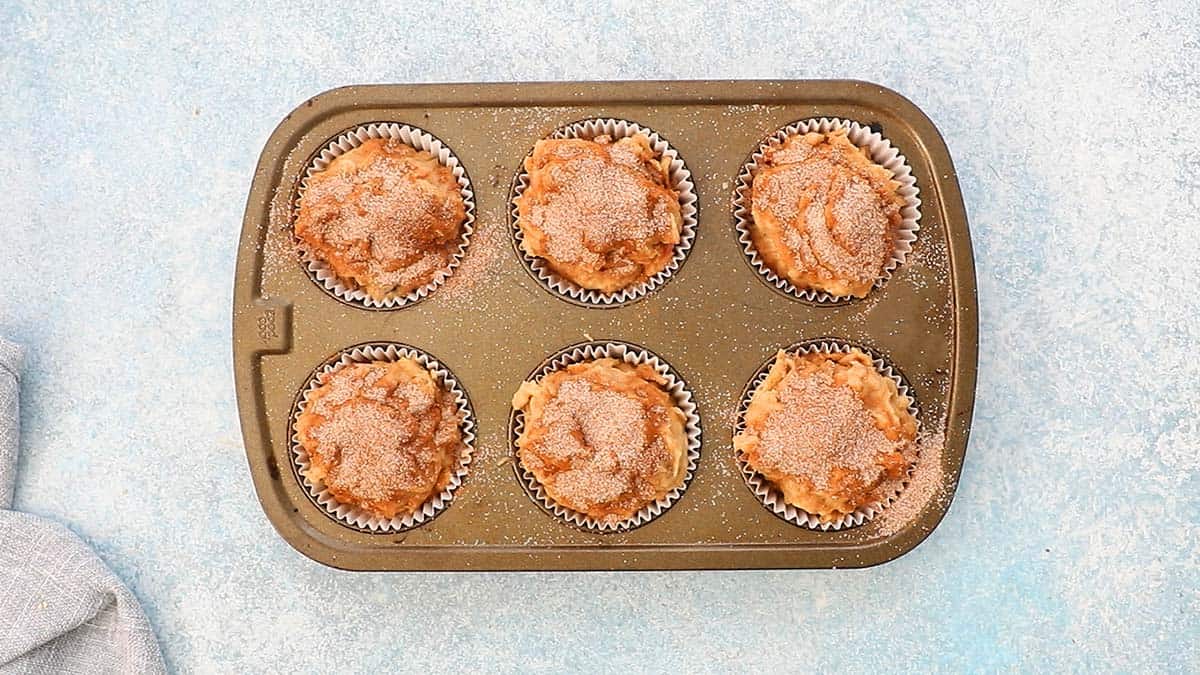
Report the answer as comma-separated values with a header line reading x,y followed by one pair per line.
x,y
61,609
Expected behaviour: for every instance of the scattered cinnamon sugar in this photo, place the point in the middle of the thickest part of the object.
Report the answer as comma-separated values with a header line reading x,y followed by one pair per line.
x,y
926,485
479,265
277,245
822,426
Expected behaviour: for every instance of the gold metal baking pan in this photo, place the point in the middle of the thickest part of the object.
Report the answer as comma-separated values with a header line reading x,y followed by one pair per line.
x,y
716,321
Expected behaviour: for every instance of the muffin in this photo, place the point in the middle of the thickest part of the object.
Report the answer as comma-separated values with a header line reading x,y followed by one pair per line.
x,y
383,436
828,431
384,217
603,437
823,215
601,213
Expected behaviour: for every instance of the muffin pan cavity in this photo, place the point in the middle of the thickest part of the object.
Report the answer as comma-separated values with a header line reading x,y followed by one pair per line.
x,y
347,291
675,386
680,181
439,501
762,489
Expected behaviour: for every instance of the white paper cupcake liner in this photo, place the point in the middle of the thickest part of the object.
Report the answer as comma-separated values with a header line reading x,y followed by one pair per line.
x,y
681,181
345,290
355,517
768,494
680,394
881,152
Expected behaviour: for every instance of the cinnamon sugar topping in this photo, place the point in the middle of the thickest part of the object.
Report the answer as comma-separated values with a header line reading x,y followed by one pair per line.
x,y
601,213
598,206
384,216
834,211
821,427
382,436
601,438
369,439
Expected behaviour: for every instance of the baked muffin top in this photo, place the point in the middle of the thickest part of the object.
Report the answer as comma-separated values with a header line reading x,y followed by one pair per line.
x,y
603,437
825,217
600,212
828,430
381,436
385,217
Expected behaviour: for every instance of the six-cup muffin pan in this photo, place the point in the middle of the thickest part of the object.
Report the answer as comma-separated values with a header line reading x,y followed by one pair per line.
x,y
716,321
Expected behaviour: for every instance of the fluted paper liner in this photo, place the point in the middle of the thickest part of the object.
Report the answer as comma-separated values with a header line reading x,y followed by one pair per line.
x,y
680,394
881,151
680,179
769,495
345,289
354,516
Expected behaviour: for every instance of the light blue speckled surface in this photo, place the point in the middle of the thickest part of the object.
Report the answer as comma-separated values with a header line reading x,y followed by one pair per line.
x,y
130,135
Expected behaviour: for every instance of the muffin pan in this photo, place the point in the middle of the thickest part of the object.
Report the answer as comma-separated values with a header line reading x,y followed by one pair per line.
x,y
716,321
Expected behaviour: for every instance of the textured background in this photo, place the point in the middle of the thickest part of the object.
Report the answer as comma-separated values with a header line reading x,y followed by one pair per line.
x,y
130,135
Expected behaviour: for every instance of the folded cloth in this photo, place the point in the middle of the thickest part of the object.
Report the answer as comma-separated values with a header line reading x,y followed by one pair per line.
x,y
61,609
10,375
